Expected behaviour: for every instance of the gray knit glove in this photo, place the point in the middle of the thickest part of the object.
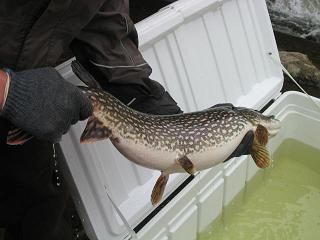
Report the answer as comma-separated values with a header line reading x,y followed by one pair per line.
x,y
43,104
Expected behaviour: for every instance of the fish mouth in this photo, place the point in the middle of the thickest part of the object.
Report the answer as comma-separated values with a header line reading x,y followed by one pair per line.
x,y
272,124
273,132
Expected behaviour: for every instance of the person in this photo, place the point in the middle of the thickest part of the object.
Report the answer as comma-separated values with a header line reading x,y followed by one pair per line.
x,y
141,9
36,36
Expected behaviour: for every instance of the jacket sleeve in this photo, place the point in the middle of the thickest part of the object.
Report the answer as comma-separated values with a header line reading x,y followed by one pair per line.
x,y
108,46
3,83
108,49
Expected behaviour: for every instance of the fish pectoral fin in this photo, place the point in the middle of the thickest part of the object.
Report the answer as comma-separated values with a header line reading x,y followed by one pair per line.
x,y
17,136
186,164
94,131
158,189
258,150
260,155
261,135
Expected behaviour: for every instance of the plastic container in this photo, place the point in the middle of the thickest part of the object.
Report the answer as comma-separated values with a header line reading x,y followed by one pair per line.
x,y
204,52
203,199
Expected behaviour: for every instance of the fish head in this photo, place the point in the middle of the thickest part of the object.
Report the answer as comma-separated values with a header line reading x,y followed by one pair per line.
x,y
272,124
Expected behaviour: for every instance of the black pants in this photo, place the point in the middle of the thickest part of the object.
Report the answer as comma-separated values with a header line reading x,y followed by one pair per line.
x,y
31,203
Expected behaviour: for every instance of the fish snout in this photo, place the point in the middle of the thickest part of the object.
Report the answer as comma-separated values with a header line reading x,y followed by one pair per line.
x,y
273,126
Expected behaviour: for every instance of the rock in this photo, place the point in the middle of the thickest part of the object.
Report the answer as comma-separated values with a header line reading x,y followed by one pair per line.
x,y
301,68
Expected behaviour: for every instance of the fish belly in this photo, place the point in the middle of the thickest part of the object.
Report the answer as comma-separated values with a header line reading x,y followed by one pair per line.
x,y
215,154
153,158
144,155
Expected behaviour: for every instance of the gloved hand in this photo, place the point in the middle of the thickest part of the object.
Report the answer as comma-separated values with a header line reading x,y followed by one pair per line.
x,y
43,104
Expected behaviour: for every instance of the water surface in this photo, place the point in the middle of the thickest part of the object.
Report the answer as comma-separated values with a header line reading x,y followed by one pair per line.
x,y
282,202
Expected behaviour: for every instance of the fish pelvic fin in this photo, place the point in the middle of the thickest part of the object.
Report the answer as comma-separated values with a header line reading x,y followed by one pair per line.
x,y
95,131
17,136
260,155
186,164
158,189
261,135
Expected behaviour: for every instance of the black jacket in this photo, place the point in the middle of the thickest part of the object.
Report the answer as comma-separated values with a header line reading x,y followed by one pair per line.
x,y
38,33
100,33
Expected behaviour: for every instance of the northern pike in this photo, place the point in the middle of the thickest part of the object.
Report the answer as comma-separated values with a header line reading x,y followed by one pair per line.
x,y
186,142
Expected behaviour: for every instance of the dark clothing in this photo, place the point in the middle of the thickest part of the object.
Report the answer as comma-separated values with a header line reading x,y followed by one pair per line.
x,y
39,33
140,9
31,204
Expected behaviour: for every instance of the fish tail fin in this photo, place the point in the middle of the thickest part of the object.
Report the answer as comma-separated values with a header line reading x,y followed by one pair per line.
x,y
94,131
260,155
17,136
158,188
84,75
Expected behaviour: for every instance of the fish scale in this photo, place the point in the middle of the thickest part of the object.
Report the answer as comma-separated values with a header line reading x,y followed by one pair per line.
x,y
170,132
185,142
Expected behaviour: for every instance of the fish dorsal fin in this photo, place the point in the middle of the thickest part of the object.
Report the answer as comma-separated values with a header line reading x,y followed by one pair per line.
x,y
94,131
17,136
224,105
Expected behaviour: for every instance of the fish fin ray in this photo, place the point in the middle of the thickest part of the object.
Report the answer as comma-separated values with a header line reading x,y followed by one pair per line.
x,y
186,164
158,189
17,136
94,131
260,155
262,135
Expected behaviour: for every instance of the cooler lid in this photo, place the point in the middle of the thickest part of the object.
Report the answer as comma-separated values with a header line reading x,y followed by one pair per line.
x,y
204,52
210,51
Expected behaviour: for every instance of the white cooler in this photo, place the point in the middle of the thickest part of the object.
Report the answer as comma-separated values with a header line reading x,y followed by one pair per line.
x,y
204,52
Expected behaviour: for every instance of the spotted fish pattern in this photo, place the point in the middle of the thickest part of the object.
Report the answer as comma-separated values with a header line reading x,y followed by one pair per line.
x,y
187,132
182,142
